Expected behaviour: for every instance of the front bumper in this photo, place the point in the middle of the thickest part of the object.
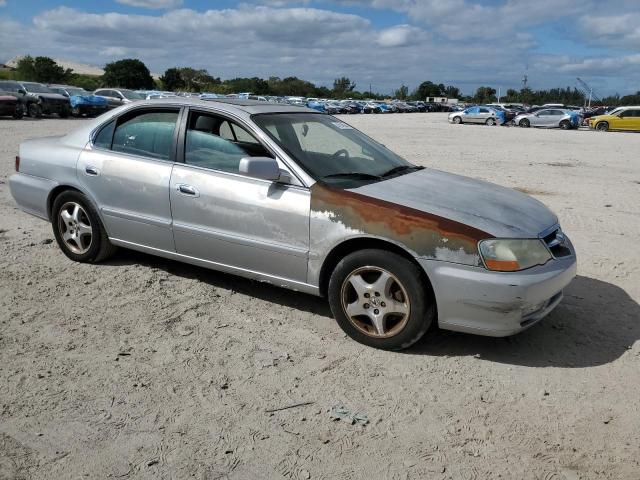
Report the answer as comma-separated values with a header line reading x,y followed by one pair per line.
x,y
497,304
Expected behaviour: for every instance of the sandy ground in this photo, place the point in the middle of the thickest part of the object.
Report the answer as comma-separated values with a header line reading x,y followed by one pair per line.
x,y
146,368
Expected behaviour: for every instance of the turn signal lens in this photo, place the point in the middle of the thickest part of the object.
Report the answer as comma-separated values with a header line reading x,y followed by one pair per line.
x,y
511,255
17,163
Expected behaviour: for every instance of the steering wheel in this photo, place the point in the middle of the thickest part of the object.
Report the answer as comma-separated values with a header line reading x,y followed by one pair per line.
x,y
341,153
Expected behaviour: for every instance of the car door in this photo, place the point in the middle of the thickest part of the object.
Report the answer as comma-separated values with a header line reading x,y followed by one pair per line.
x,y
542,118
472,115
127,170
236,222
627,120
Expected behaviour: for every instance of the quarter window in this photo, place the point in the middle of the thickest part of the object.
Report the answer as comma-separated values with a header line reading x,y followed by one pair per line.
x,y
146,133
105,136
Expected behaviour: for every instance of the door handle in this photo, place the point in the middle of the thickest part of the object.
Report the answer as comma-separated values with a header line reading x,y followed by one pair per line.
x,y
188,190
93,171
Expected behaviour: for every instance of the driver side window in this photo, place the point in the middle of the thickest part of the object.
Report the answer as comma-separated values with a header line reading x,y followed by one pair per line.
x,y
212,141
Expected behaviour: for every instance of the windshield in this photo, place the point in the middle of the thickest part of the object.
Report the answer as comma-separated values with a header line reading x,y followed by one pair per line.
x,y
77,91
330,150
131,95
36,88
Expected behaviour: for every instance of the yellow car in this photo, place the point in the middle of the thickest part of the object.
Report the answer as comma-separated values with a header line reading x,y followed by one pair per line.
x,y
623,118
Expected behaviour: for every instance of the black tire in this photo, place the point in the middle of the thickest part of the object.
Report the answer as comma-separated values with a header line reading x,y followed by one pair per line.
x,y
602,126
75,111
524,123
420,299
34,110
457,120
490,122
565,125
100,248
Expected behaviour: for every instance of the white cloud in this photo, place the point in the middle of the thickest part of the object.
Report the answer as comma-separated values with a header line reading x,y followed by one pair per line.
x,y
153,4
400,35
321,44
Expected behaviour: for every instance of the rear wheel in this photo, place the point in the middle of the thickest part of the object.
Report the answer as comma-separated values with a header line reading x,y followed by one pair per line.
x,y
524,123
565,125
380,299
457,120
34,110
490,121
78,229
602,126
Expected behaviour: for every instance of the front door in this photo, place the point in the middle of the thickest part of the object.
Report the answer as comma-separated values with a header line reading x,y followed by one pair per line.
x,y
127,173
242,223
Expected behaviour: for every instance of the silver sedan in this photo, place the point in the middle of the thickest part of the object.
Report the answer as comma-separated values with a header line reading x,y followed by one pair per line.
x,y
549,118
300,199
485,115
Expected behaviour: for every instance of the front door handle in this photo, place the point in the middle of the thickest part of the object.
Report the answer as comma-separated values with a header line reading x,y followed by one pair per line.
x,y
93,171
188,190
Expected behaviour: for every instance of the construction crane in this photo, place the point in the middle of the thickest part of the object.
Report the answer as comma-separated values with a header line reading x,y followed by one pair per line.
x,y
588,92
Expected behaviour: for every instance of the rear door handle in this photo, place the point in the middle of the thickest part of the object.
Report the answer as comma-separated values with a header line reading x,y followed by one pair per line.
x,y
89,170
188,190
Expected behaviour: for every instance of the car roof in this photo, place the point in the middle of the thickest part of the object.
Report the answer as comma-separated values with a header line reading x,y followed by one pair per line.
x,y
229,104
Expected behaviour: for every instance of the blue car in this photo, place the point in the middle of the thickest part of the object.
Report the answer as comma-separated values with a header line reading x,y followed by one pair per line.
x,y
82,102
319,106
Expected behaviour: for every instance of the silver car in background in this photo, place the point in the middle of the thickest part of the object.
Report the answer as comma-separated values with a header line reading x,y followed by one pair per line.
x,y
549,118
477,114
294,197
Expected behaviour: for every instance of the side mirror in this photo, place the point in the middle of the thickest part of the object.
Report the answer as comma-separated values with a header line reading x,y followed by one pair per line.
x,y
22,91
260,167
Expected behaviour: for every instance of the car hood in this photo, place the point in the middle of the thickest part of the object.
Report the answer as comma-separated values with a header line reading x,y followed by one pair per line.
x,y
50,96
498,211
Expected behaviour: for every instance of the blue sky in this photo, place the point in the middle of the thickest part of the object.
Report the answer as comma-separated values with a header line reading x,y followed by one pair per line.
x,y
387,43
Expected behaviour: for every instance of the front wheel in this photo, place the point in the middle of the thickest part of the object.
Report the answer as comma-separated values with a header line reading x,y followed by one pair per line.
x,y
565,125
524,123
381,299
457,120
490,122
602,127
78,229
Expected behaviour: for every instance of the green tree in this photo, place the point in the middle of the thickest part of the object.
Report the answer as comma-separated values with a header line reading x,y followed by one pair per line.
x,y
485,95
402,93
127,73
172,80
452,92
342,86
42,69
427,89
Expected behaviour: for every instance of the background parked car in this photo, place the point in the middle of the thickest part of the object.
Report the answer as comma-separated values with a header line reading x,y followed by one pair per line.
x,y
549,118
624,118
10,106
81,101
49,102
478,114
36,99
118,96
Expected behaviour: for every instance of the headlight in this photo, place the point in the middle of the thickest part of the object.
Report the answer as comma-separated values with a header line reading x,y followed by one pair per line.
x,y
510,255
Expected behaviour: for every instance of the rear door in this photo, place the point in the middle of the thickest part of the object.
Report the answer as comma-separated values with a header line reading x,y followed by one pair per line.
x,y
238,223
127,171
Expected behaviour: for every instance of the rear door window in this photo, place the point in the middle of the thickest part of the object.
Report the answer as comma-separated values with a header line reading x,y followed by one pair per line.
x,y
147,133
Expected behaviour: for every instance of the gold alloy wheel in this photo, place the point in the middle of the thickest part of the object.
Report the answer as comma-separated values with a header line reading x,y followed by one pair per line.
x,y
375,302
75,228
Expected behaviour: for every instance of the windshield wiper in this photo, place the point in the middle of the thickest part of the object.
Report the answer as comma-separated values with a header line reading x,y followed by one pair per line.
x,y
353,175
400,168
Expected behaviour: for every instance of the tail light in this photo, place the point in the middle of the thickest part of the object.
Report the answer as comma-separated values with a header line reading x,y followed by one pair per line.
x,y
17,163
